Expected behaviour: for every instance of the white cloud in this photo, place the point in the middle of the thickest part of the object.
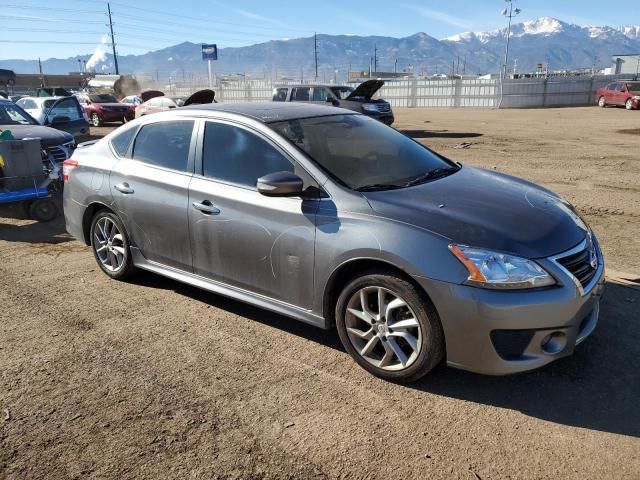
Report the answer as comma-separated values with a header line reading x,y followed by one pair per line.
x,y
441,17
255,16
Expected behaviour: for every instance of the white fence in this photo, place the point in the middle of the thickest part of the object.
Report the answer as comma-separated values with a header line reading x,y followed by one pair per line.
x,y
454,93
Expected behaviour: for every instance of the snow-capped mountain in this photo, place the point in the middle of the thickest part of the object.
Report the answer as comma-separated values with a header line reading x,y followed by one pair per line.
x,y
544,40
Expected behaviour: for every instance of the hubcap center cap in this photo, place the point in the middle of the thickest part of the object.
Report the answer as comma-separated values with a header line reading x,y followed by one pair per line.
x,y
382,329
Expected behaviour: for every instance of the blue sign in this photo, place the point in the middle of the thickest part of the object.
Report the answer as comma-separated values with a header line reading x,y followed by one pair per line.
x,y
209,52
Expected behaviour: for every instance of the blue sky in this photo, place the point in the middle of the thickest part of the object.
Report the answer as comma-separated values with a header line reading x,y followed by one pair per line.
x,y
37,28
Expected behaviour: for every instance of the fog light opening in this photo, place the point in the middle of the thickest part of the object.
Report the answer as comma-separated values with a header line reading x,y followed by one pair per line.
x,y
553,343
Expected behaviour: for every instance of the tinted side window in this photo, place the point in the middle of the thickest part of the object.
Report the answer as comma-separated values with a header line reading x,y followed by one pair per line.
x,y
122,140
300,94
164,144
280,95
320,94
68,107
235,155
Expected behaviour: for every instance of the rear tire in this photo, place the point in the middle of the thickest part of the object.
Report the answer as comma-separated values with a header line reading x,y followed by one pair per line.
x,y
110,245
601,102
400,342
43,210
628,104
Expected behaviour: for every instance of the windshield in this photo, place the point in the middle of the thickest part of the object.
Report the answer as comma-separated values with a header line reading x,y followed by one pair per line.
x,y
342,92
633,87
362,153
13,115
103,98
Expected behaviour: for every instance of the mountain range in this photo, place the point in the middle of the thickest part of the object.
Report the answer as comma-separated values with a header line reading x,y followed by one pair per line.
x,y
545,40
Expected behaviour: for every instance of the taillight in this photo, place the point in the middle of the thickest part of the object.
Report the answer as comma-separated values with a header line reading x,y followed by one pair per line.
x,y
67,168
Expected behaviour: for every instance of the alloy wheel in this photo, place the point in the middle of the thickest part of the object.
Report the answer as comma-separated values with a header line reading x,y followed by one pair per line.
x,y
109,244
95,120
383,329
601,102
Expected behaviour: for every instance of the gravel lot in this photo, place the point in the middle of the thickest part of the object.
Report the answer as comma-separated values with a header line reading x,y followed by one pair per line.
x,y
154,379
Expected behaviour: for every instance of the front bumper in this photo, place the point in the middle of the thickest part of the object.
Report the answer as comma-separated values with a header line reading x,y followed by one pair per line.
x,y
116,116
501,332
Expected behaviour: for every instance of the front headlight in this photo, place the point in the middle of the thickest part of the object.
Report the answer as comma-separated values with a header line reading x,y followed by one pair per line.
x,y
489,269
370,107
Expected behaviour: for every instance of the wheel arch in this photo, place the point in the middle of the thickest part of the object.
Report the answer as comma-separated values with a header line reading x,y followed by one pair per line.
x,y
87,217
351,269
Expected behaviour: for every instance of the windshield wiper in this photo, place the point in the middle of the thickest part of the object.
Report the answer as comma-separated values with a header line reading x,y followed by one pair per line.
x,y
377,187
431,175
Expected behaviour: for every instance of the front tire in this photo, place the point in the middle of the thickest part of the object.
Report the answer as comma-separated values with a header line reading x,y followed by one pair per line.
x,y
602,102
95,120
110,245
389,327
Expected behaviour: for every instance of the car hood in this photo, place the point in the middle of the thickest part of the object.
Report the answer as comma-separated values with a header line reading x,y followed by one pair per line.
x,y
366,89
200,97
112,105
149,94
486,209
48,136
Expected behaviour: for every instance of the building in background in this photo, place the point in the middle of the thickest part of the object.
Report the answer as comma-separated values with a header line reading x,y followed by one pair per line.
x,y
626,64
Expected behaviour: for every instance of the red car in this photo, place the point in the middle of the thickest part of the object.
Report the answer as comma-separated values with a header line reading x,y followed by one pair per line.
x,y
620,93
103,108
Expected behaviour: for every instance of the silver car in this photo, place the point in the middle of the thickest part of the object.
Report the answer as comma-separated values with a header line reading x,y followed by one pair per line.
x,y
332,218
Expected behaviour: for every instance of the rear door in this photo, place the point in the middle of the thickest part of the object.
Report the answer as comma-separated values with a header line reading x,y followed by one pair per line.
x,y
320,95
240,237
151,191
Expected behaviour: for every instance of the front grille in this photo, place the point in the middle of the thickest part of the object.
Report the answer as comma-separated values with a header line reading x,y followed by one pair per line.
x,y
579,264
383,107
60,152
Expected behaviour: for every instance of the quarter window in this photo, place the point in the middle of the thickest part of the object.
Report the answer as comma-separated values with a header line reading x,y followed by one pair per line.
x,y
235,155
164,144
122,140
280,95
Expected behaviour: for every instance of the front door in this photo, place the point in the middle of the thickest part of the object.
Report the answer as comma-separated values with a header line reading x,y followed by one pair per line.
x,y
240,237
151,191
66,114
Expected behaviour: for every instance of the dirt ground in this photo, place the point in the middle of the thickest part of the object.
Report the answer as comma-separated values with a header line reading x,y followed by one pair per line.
x,y
154,379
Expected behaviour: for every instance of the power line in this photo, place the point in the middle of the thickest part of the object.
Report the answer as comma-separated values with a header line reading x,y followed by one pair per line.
x,y
53,9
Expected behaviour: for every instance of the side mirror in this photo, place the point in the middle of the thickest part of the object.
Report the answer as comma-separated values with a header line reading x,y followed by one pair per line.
x,y
280,184
59,120
333,101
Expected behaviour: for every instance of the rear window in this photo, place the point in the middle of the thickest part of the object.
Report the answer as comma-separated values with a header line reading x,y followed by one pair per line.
x,y
121,141
633,87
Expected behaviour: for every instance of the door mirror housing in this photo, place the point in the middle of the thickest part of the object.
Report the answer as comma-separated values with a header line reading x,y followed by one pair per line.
x,y
280,184
333,101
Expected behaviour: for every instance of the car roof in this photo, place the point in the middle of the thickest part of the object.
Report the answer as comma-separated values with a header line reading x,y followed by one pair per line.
x,y
312,85
44,98
268,112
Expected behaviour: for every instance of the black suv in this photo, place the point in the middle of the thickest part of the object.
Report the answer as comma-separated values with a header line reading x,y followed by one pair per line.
x,y
359,99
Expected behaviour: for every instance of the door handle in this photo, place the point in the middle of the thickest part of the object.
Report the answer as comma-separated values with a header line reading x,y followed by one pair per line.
x,y
206,207
123,188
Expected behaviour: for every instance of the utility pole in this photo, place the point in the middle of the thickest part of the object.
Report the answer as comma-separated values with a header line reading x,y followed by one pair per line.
x,y
113,40
315,51
395,66
41,76
375,57
508,12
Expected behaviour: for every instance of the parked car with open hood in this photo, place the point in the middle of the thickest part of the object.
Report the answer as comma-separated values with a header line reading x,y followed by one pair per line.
x,y
334,219
104,108
61,113
155,101
54,142
359,99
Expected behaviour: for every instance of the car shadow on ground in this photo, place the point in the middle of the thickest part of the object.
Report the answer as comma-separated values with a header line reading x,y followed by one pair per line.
x,y
438,134
31,231
595,388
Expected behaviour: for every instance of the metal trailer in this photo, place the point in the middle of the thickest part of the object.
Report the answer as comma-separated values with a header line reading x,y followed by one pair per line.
x,y
29,177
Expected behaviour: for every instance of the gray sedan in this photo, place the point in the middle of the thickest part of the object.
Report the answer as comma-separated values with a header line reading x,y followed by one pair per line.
x,y
337,220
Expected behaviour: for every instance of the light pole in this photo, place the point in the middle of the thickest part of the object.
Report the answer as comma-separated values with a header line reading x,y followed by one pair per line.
x,y
508,12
